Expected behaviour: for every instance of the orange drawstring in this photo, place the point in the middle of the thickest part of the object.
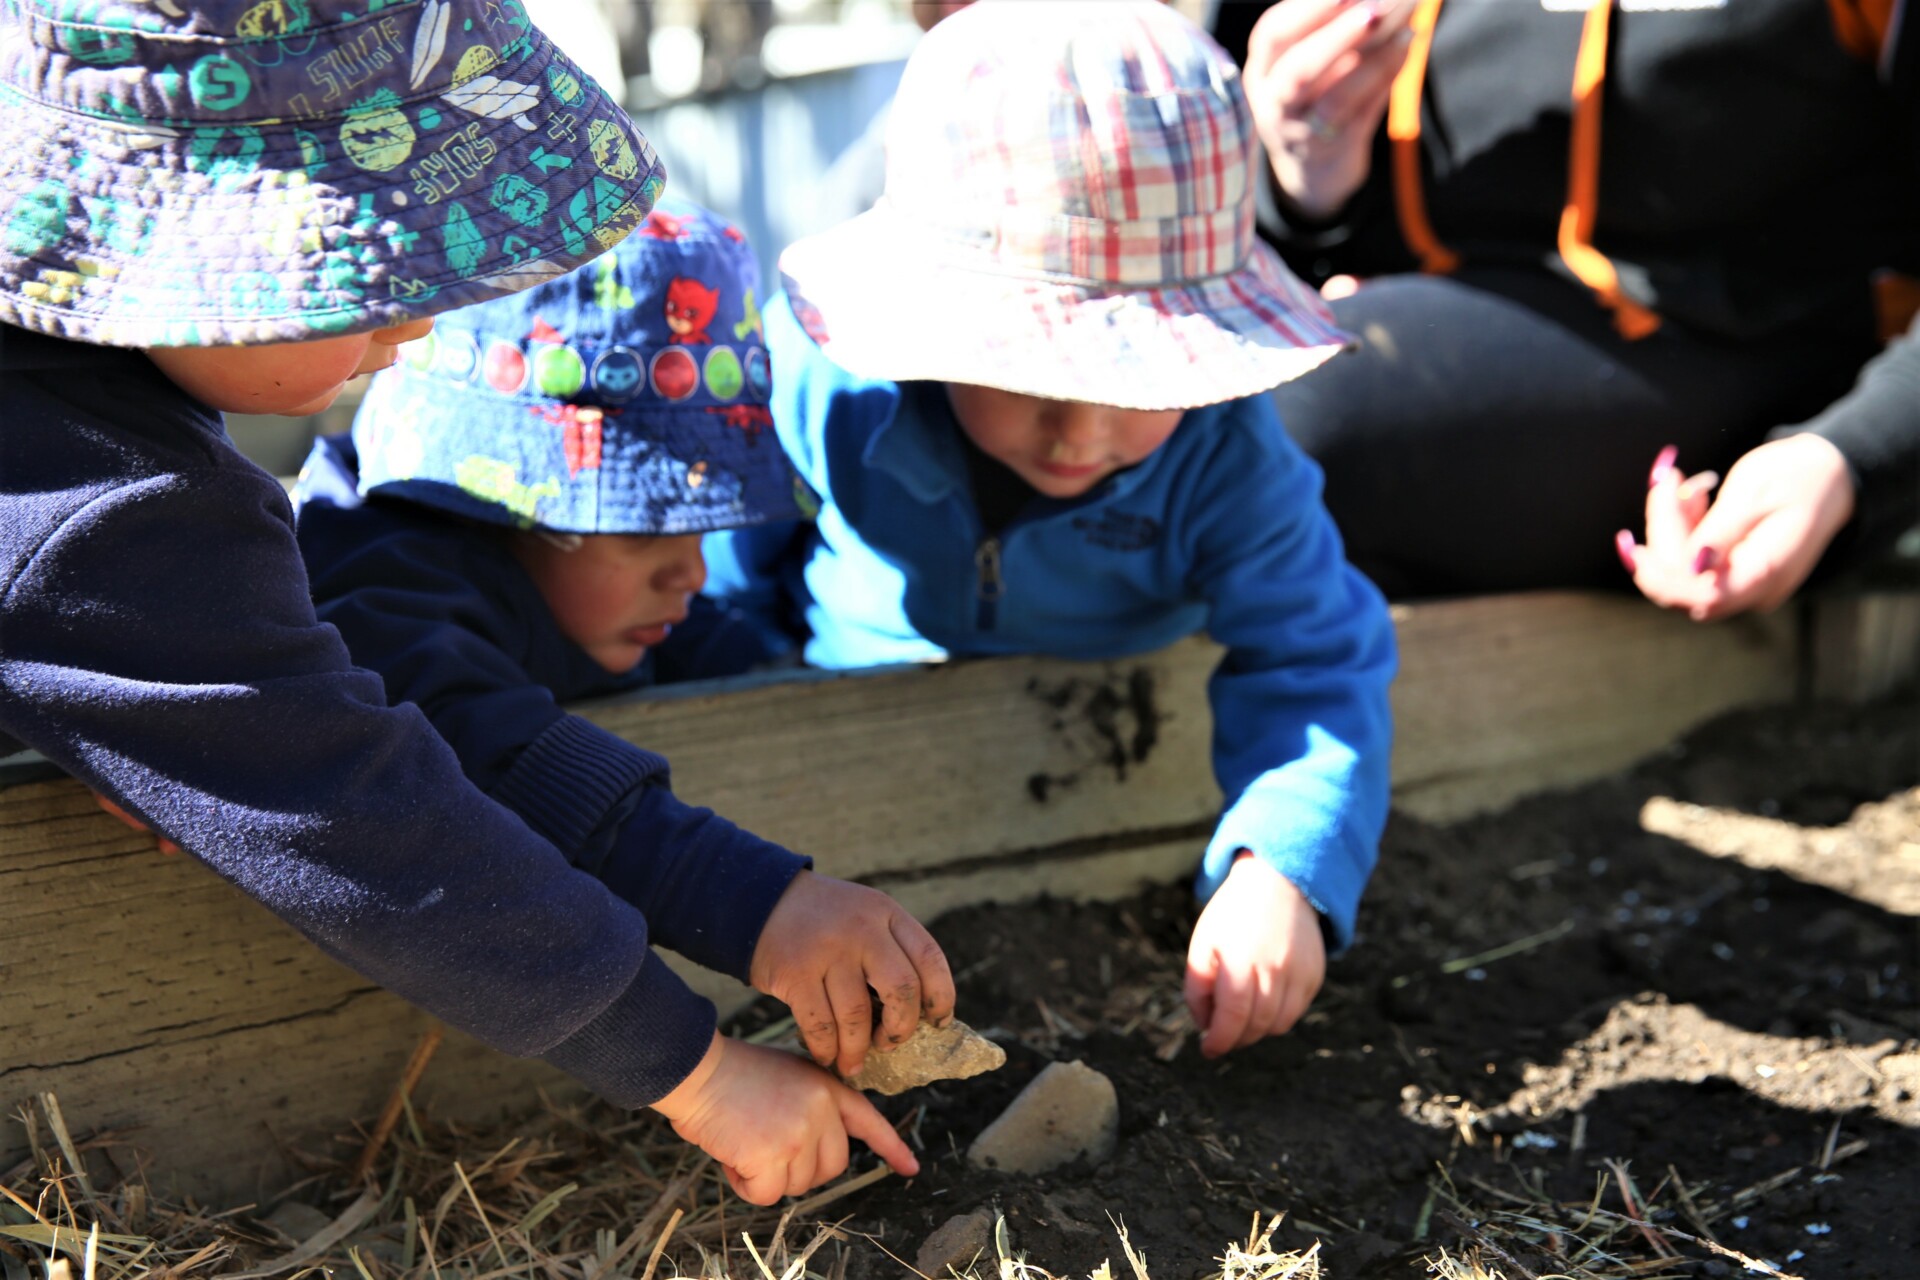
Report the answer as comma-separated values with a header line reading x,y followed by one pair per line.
x,y
1403,128
1591,267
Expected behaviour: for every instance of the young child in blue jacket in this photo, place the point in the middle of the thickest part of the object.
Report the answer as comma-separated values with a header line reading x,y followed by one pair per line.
x,y
1029,388
216,205
515,522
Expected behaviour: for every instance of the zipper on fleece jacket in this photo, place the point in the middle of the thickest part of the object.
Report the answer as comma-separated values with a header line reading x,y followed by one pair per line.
x,y
988,584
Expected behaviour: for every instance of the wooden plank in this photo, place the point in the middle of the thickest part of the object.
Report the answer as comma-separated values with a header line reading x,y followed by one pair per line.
x,y
1503,696
1865,644
146,992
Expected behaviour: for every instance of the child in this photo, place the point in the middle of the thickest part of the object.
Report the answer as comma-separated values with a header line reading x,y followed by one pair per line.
x,y
515,521
213,205
1029,387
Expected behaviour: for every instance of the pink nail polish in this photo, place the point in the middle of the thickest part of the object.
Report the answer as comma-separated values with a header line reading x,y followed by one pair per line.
x,y
1623,543
1704,559
1662,465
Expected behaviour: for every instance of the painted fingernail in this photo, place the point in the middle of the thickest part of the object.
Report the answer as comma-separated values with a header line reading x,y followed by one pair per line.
x,y
1623,543
1704,559
1662,465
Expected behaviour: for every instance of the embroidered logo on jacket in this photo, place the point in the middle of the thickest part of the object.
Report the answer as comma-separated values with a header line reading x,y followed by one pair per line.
x,y
1119,530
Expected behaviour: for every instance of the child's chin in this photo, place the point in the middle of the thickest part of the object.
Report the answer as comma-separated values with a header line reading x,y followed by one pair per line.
x,y
618,659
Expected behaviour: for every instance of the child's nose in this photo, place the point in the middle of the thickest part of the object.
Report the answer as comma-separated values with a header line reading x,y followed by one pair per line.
x,y
398,334
685,569
1079,425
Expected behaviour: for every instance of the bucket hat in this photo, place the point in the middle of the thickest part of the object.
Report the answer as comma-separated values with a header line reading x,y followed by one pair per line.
x,y
627,397
1069,213
216,172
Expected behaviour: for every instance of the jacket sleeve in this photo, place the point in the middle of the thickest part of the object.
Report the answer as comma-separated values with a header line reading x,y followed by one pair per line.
x,y
159,643
1876,427
434,612
1301,722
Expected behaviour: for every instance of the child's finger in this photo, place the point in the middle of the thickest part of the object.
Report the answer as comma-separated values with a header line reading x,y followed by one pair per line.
x,y
864,1122
800,1171
899,987
1198,989
830,1156
1233,998
937,994
762,1188
853,1013
813,1015
1269,996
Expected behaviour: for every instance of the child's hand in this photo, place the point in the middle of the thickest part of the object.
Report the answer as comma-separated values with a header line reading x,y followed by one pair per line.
x,y
777,1124
1256,960
826,942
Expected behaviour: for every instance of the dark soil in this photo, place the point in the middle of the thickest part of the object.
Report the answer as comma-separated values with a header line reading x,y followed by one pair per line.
x,y
1733,976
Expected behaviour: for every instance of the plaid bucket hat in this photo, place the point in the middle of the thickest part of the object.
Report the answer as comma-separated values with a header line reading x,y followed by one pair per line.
x,y
220,172
627,397
1069,213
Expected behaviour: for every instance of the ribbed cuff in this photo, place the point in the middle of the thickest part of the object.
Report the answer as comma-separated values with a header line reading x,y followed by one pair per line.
x,y
570,777
644,1043
705,885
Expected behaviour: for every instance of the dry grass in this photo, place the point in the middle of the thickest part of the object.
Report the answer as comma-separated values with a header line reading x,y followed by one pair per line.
x,y
571,1193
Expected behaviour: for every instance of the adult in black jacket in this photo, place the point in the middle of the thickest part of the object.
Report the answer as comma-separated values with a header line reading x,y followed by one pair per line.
x,y
1576,238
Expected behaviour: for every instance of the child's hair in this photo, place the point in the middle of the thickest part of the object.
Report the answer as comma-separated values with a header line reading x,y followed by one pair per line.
x,y
1069,213
627,397
224,172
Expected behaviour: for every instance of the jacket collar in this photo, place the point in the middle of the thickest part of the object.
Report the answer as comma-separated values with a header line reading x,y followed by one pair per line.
x,y
919,445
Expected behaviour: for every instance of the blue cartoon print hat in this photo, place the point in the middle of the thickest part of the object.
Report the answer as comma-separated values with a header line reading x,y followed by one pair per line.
x,y
627,397
216,172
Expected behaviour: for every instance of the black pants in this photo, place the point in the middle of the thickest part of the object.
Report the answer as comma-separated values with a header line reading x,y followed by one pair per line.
x,y
1492,431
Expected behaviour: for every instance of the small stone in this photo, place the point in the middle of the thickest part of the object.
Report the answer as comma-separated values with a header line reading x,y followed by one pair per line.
x,y
956,1243
1066,1112
952,1052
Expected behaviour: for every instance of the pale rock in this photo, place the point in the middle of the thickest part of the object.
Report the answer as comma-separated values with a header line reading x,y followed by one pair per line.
x,y
958,1243
952,1052
1068,1111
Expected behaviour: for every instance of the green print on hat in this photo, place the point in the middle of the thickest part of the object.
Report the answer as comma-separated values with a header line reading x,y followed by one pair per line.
x,y
558,371
219,83
243,171
38,220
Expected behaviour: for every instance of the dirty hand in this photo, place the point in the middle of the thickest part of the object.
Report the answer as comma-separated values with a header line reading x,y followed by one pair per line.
x,y
1256,960
825,944
1780,507
1318,76
777,1124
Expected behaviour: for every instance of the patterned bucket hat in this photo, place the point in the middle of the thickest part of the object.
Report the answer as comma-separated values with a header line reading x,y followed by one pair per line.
x,y
1069,213
627,397
215,172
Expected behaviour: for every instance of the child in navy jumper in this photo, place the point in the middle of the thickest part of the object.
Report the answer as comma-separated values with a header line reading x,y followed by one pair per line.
x,y
198,214
1030,390
515,522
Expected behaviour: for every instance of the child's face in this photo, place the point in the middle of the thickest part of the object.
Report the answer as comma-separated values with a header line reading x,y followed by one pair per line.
x,y
294,378
615,595
1061,447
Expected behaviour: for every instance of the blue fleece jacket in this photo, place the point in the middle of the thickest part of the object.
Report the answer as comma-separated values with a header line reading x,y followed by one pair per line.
x,y
1220,529
443,612
157,642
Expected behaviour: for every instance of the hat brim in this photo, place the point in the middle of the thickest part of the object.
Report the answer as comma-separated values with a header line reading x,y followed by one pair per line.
x,y
525,462
885,300
283,230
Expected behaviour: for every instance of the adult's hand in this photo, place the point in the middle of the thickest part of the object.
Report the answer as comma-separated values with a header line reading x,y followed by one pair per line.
x,y
1778,511
1318,75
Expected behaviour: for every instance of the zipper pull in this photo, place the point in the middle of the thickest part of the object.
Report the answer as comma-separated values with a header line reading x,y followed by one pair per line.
x,y
989,586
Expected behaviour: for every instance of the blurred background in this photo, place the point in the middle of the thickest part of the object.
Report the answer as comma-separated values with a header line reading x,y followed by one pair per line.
x,y
771,112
